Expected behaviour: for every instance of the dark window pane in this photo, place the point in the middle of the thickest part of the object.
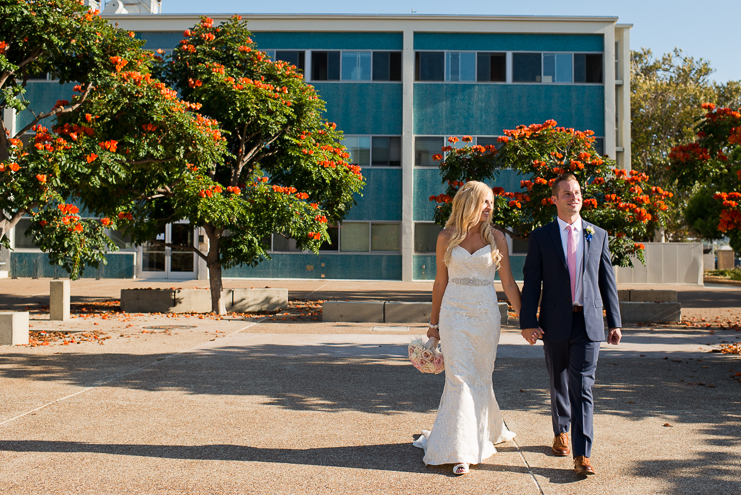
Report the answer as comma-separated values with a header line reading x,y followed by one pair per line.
x,y
526,67
325,66
380,151
296,58
498,63
395,151
580,68
381,66
425,237
395,66
483,68
23,238
594,68
519,246
319,66
599,146
425,148
334,237
430,66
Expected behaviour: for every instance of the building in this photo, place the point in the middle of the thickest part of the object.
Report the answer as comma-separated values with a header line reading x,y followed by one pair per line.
x,y
398,86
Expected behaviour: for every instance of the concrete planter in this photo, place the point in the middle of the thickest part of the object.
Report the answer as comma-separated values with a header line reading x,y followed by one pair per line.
x,y
199,300
650,312
384,311
14,328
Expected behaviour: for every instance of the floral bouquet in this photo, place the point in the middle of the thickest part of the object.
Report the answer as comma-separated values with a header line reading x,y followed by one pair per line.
x,y
426,357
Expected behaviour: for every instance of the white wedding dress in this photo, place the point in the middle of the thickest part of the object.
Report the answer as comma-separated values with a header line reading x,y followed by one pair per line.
x,y
468,421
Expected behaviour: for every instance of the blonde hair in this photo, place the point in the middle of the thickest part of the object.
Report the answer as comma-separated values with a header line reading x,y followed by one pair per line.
x,y
467,206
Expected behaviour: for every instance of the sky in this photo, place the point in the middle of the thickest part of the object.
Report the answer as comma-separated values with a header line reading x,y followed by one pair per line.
x,y
704,30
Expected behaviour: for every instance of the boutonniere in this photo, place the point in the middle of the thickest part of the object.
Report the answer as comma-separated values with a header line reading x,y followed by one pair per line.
x,y
588,232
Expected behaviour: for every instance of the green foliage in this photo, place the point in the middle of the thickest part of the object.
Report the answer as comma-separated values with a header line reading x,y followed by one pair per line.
x,y
713,160
619,201
702,214
734,274
666,94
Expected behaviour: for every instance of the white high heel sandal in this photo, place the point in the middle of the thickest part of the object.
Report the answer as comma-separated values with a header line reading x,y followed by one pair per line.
x,y
461,468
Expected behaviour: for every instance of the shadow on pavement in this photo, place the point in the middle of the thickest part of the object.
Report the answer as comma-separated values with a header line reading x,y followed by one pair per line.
x,y
390,457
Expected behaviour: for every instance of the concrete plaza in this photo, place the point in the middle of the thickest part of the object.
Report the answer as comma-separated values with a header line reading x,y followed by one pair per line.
x,y
287,404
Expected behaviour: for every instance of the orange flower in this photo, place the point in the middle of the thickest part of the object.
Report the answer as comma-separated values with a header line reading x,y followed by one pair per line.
x,y
78,227
467,139
41,178
91,157
14,167
105,221
437,157
453,139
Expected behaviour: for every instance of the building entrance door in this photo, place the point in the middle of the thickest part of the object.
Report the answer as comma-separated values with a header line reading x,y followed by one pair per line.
x,y
168,255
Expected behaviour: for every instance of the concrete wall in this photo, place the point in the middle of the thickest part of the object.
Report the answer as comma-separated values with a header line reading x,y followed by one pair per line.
x,y
666,263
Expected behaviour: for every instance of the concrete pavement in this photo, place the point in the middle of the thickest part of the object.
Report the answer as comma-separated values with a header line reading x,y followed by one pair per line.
x,y
286,404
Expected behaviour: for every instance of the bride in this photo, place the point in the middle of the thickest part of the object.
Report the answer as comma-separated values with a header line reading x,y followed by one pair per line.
x,y
466,320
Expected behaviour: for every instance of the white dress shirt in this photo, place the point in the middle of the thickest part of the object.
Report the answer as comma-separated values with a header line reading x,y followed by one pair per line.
x,y
579,238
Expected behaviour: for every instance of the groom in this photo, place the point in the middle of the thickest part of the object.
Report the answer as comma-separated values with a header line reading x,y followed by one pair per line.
x,y
571,258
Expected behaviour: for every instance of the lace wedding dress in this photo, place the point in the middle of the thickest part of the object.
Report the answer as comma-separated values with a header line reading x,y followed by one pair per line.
x,y
468,421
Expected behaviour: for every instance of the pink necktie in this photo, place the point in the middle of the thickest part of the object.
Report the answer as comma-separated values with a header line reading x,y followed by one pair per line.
x,y
571,259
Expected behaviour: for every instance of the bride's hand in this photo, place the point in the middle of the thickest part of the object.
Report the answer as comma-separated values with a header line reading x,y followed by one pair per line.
x,y
433,332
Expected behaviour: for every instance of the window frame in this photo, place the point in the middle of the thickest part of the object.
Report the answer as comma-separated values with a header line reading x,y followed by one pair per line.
x,y
339,251
370,154
356,81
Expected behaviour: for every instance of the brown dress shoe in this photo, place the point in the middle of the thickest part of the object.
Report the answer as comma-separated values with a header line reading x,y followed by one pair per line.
x,y
582,466
561,445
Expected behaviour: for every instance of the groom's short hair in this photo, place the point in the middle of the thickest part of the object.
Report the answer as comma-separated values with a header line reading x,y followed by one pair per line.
x,y
561,178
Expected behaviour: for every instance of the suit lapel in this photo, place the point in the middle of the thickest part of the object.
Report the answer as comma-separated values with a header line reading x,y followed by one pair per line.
x,y
587,245
556,237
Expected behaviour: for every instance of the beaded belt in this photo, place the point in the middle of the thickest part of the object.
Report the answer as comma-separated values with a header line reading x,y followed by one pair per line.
x,y
478,282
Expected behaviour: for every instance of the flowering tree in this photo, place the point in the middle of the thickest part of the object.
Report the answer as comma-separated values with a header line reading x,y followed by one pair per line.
x,y
68,42
713,161
621,202
285,171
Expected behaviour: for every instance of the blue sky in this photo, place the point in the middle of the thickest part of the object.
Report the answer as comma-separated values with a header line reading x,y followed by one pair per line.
x,y
705,30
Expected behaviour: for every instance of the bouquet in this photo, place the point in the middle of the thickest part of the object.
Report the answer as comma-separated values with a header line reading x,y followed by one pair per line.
x,y
426,357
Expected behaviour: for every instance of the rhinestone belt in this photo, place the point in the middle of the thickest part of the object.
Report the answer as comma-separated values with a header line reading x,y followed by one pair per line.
x,y
478,282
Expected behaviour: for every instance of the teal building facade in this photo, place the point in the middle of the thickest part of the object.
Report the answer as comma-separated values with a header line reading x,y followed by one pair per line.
x,y
398,86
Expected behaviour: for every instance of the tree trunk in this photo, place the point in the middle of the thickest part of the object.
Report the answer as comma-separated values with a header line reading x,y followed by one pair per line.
x,y
213,262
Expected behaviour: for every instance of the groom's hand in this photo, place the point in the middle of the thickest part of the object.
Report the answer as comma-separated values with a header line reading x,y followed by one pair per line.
x,y
614,336
532,334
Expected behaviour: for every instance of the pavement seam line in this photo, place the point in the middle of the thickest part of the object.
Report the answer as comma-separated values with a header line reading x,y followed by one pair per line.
x,y
115,378
527,465
320,287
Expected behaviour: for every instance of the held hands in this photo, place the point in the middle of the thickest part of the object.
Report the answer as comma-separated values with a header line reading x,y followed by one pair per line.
x,y
614,336
532,334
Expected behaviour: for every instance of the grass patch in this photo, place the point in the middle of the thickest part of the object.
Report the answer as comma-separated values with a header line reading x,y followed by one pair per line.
x,y
734,274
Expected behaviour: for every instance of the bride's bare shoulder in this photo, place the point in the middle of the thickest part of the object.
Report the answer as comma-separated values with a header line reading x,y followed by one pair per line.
x,y
445,235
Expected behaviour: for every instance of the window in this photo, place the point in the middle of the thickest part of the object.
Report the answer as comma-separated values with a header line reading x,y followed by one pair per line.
x,y
356,66
376,150
355,237
557,67
489,140
588,67
599,145
424,148
123,241
492,67
526,67
386,151
23,239
387,66
425,237
334,237
519,246
283,243
325,66
385,237
359,148
429,66
460,66
293,57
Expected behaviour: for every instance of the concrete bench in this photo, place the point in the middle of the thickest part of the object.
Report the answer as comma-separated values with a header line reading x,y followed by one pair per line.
x,y
650,312
385,311
650,295
14,328
199,300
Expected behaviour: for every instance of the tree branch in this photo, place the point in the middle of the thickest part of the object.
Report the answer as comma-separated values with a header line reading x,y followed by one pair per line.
x,y
57,111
